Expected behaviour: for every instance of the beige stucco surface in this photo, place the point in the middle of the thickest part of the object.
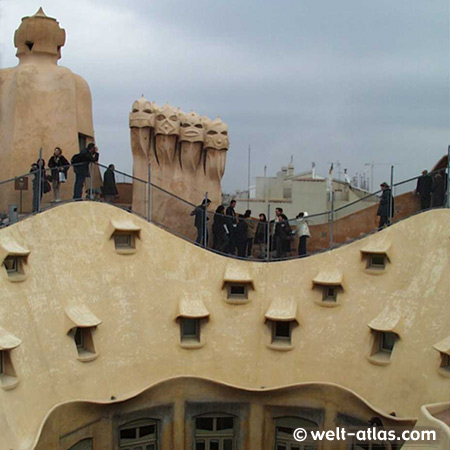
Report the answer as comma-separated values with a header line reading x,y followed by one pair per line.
x,y
72,261
42,105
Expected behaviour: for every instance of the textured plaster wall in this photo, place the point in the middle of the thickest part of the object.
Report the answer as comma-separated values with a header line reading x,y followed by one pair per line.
x,y
72,261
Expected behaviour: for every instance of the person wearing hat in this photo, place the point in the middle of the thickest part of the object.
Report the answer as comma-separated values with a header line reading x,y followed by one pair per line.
x,y
386,206
303,232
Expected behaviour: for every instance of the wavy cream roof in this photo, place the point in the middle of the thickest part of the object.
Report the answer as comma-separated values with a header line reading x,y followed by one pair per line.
x,y
133,302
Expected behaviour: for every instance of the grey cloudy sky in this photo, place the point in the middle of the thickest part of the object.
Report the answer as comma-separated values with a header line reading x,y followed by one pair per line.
x,y
322,80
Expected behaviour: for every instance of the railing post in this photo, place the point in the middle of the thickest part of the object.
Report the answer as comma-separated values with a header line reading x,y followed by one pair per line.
x,y
149,193
391,196
267,257
448,177
91,187
40,181
205,221
332,220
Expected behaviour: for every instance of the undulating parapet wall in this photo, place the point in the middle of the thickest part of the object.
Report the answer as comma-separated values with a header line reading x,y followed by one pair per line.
x,y
187,154
95,301
258,419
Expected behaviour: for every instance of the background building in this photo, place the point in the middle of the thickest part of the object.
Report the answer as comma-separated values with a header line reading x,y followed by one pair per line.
x,y
304,191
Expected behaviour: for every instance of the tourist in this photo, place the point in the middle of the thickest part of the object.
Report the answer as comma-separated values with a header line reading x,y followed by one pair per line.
x,y
241,236
220,230
386,206
109,189
282,234
423,189
200,221
80,163
59,165
287,236
261,236
41,184
251,231
231,224
438,191
303,233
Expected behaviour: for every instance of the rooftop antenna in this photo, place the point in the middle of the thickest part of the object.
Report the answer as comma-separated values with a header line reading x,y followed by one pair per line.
x,y
338,164
248,179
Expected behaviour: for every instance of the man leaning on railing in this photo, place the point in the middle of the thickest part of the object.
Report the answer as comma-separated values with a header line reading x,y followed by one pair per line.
x,y
80,162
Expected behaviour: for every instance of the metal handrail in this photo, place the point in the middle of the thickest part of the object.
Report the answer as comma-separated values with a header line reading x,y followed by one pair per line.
x,y
150,186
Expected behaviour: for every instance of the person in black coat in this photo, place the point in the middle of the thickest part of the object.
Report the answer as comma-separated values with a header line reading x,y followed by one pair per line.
x,y
199,221
282,234
386,206
59,166
219,229
423,189
109,189
287,235
81,163
438,191
261,236
241,236
40,183
231,223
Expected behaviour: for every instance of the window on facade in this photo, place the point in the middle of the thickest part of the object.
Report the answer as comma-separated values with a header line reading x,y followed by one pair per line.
x,y
237,290
366,445
445,362
84,341
215,433
330,293
124,240
83,141
281,331
376,261
387,341
139,435
14,265
85,444
8,378
383,344
190,329
284,434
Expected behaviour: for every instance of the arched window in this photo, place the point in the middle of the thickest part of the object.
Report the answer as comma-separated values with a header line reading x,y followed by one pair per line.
x,y
284,434
139,435
85,444
215,432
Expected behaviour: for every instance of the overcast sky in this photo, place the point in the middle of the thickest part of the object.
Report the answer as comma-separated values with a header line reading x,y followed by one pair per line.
x,y
353,81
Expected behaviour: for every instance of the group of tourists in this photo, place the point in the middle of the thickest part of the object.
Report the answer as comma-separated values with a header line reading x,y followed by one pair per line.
x,y
243,236
431,189
246,237
45,182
